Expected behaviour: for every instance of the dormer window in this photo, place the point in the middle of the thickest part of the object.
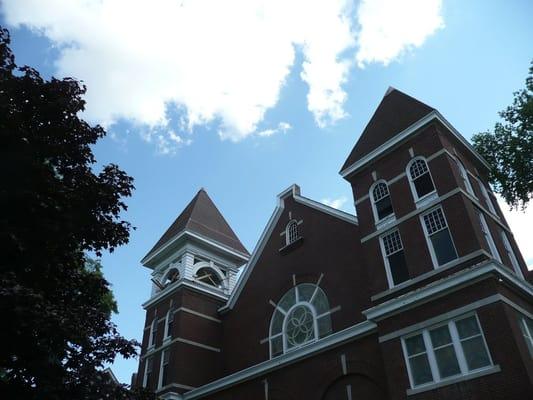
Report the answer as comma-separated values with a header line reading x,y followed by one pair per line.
x,y
381,201
291,232
420,179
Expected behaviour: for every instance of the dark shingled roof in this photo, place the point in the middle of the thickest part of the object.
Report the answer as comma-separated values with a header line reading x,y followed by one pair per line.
x,y
202,216
396,112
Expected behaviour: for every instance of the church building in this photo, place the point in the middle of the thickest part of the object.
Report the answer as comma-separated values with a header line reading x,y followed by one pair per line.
x,y
423,295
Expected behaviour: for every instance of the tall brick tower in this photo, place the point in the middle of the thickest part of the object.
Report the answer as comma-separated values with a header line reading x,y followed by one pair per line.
x,y
195,265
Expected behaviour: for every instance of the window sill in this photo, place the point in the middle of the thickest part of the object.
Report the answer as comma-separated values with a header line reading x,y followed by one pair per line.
x,y
297,243
385,221
426,199
477,374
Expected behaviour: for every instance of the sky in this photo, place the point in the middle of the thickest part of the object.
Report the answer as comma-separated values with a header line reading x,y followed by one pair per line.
x,y
246,97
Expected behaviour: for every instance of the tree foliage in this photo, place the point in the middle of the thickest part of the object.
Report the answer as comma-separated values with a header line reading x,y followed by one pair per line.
x,y
55,303
509,149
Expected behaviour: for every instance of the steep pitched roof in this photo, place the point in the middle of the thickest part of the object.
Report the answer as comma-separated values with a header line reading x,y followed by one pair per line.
x,y
201,216
396,112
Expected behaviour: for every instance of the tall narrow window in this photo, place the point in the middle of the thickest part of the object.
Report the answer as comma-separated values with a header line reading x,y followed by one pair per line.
x,y
169,322
488,237
526,325
163,372
394,258
420,178
153,332
381,201
511,255
449,350
487,198
291,232
148,372
464,177
440,241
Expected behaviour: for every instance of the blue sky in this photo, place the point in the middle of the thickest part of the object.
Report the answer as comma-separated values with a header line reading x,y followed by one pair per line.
x,y
246,115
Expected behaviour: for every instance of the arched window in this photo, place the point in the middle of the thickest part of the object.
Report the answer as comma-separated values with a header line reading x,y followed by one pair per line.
x,y
302,316
171,276
464,177
291,232
381,201
420,178
210,277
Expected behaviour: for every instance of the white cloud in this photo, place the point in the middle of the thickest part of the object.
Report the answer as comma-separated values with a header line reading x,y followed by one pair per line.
x,y
520,223
283,127
337,203
388,28
221,62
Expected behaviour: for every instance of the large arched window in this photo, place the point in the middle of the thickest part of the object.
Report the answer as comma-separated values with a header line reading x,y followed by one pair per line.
x,y
302,316
420,178
210,277
381,201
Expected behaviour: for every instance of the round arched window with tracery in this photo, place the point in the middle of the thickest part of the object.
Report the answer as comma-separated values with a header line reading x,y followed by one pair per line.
x,y
302,316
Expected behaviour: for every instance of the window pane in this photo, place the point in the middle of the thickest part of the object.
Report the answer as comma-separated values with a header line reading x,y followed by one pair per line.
x,y
423,185
324,326
305,291
475,353
447,361
299,326
467,327
288,300
440,336
420,370
443,247
320,302
415,345
398,267
277,345
384,207
277,322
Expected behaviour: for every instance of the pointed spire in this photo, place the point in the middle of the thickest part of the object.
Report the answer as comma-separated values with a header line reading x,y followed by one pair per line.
x,y
396,112
201,216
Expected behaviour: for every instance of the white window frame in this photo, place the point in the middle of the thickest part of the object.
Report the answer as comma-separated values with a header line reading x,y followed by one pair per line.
x,y
170,313
284,326
464,175
389,218
459,353
432,253
145,377
386,258
511,254
292,226
161,365
153,327
488,236
487,198
528,334
420,201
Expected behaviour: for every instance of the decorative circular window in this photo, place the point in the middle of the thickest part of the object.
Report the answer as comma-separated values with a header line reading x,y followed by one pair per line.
x,y
302,315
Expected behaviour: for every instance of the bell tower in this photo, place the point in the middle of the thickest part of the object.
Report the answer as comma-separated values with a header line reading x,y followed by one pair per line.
x,y
194,270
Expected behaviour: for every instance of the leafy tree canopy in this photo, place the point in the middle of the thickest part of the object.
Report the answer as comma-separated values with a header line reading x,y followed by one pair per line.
x,y
55,303
509,149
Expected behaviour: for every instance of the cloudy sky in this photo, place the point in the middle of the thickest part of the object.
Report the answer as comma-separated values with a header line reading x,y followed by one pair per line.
x,y
247,97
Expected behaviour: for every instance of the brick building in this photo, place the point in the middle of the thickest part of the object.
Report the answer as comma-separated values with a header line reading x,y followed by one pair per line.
x,y
423,295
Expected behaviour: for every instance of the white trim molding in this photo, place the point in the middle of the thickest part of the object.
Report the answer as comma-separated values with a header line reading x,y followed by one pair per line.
x,y
444,286
409,131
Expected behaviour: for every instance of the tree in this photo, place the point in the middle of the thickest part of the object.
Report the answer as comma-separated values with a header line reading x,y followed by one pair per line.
x,y
509,149
55,303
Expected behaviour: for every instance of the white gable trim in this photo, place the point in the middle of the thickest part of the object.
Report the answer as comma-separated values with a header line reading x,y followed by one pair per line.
x,y
293,191
389,144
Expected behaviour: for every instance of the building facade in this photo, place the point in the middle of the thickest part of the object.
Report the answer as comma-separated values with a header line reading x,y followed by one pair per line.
x,y
423,295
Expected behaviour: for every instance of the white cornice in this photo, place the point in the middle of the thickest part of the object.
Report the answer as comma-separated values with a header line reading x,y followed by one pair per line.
x,y
444,286
352,219
201,238
391,143
206,289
